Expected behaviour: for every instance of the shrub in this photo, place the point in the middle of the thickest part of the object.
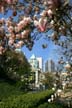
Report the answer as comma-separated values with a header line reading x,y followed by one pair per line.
x,y
28,100
7,90
50,105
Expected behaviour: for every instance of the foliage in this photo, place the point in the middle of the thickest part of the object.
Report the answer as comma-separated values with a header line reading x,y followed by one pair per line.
x,y
29,100
15,68
7,90
51,105
19,60
49,80
15,64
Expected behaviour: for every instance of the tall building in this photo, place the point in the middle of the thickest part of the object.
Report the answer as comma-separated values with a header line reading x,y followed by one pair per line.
x,y
49,66
46,66
34,62
40,61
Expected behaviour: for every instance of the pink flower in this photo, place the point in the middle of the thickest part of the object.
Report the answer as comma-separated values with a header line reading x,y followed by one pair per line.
x,y
50,2
53,4
17,45
16,29
10,29
41,28
27,20
2,9
19,27
2,20
50,13
11,41
25,34
43,13
36,23
41,24
18,36
1,50
1,53
20,43
9,1
8,23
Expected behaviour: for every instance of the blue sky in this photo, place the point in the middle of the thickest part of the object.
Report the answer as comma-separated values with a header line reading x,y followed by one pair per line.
x,y
47,53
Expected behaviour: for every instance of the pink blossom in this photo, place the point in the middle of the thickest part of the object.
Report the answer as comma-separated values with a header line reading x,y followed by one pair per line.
x,y
2,9
27,19
18,36
17,45
1,50
36,23
16,29
11,41
53,4
43,13
9,1
50,13
41,28
41,24
2,20
25,34
10,29
8,23
21,43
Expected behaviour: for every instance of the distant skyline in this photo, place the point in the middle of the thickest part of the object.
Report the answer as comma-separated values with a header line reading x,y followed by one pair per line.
x,y
37,62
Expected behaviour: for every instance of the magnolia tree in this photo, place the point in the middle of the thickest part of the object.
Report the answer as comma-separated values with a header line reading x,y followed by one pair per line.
x,y
31,16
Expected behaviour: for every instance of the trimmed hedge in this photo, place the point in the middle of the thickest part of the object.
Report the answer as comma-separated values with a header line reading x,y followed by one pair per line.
x,y
7,90
29,100
11,97
50,105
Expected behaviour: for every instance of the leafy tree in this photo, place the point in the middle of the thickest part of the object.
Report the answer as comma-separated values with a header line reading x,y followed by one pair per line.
x,y
49,80
52,80
15,66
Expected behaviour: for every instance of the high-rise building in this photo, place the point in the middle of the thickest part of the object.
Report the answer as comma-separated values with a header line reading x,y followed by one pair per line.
x,y
49,66
34,62
40,61
46,66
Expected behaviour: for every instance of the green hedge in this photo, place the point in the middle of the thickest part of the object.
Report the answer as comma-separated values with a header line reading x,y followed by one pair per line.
x,y
50,105
7,90
29,100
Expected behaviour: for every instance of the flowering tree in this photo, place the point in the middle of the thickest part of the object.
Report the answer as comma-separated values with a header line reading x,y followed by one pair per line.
x,y
29,16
